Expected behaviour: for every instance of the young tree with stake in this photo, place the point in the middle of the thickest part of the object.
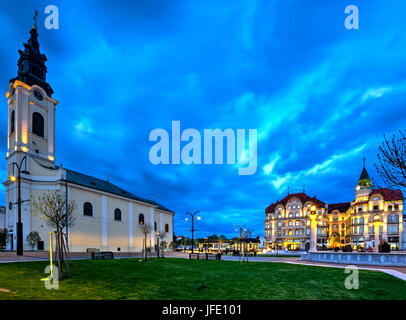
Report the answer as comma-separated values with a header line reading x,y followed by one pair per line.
x,y
58,212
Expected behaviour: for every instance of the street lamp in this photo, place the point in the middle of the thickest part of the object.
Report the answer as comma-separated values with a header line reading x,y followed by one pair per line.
x,y
377,223
192,215
237,227
313,227
158,244
19,224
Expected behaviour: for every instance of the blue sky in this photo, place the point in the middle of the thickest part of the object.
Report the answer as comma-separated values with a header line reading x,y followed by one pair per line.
x,y
320,96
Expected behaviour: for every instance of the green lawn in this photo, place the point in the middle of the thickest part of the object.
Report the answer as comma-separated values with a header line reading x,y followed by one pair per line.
x,y
192,279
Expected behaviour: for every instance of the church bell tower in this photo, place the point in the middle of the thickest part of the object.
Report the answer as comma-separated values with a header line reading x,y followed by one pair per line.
x,y
31,109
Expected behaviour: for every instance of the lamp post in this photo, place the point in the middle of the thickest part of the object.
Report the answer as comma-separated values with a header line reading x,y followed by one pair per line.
x,y
157,243
313,228
241,229
377,223
19,202
192,215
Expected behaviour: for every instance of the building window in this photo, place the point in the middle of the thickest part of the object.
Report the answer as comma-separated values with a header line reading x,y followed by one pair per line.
x,y
38,124
375,208
307,231
141,218
396,207
155,228
117,214
166,227
361,220
12,122
87,209
389,208
360,209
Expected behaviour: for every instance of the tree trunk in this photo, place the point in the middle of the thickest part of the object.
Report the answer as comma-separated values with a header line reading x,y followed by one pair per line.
x,y
145,248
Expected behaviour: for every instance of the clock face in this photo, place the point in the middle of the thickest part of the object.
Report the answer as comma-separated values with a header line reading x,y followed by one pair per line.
x,y
38,94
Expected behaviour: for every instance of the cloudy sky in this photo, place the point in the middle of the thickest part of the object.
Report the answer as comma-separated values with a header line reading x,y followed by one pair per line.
x,y
320,96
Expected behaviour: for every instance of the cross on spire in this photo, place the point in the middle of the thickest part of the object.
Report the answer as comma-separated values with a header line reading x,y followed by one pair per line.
x,y
34,25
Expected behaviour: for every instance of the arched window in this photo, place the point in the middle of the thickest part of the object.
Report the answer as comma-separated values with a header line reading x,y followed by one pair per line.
x,y
141,218
166,227
38,124
87,209
12,122
117,214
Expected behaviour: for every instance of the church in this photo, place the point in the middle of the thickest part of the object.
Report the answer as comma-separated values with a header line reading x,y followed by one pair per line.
x,y
108,217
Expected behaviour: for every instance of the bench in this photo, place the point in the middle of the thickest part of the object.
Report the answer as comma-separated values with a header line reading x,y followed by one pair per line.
x,y
194,256
205,256
102,255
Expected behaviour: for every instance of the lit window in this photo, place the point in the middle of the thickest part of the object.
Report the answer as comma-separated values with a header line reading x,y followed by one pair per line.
x,y
141,218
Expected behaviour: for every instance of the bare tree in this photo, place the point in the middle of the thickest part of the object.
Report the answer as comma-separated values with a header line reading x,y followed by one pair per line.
x,y
146,230
392,161
161,237
58,212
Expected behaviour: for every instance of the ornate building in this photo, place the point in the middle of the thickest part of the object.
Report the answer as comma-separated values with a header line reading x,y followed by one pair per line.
x,y
108,217
287,223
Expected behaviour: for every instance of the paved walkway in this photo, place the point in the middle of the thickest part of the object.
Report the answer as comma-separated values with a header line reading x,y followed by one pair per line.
x,y
6,257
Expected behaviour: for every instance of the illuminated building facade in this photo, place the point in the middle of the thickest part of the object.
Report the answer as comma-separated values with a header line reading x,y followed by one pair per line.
x,y
287,222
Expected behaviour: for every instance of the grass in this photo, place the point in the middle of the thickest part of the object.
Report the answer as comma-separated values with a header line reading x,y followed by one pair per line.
x,y
170,279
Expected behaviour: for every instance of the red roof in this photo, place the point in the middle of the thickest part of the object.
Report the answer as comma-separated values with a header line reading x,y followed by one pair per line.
x,y
388,195
302,196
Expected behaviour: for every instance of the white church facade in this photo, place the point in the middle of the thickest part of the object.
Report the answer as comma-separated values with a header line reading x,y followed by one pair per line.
x,y
107,217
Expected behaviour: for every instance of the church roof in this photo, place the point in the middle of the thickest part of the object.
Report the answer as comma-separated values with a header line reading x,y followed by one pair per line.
x,y
31,64
106,186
